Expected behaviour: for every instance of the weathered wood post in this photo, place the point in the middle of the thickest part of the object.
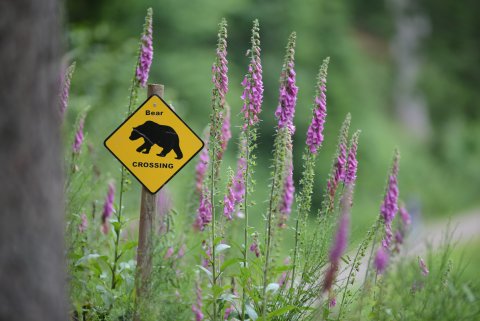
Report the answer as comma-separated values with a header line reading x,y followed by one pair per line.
x,y
148,209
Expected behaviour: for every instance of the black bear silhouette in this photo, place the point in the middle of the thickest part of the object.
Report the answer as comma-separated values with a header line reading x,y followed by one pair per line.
x,y
153,133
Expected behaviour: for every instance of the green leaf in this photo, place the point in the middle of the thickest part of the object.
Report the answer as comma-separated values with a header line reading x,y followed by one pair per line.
x,y
281,311
89,257
230,262
209,274
251,312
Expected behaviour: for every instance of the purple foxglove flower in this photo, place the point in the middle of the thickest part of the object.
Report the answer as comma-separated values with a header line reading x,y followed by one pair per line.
x,y
108,208
228,311
208,255
341,238
423,267
229,204
65,89
338,174
381,260
220,66
332,303
315,130
352,163
389,206
197,307
239,181
169,253
226,134
164,206
398,238
181,251
202,167
204,212
254,248
83,223
252,83
406,219
78,142
283,277
287,198
146,51
288,89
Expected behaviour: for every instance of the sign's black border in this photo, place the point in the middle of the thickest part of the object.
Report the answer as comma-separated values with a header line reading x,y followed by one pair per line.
x,y
136,110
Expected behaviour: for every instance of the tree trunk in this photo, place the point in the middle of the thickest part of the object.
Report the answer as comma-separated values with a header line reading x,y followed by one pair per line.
x,y
32,265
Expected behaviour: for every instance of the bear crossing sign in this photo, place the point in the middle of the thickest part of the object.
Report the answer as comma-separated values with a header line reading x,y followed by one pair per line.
x,y
154,143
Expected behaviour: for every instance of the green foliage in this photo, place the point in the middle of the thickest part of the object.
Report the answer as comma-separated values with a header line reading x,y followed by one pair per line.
x,y
102,267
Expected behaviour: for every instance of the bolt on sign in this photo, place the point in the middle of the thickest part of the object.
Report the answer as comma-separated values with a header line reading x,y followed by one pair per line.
x,y
154,143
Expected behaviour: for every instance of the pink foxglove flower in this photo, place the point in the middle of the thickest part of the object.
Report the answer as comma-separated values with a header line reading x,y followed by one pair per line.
x,y
288,89
228,311
381,260
389,206
332,302
255,249
229,203
339,165
164,206
252,83
285,274
341,239
83,223
204,212
197,306
339,173
146,51
181,251
423,267
315,130
406,219
108,208
78,141
169,253
287,198
65,89
226,134
220,66
352,163
239,180
201,167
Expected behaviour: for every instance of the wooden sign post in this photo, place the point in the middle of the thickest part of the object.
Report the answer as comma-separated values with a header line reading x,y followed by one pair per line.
x,y
148,209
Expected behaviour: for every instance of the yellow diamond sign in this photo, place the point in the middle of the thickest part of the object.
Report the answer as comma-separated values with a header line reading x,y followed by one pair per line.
x,y
154,143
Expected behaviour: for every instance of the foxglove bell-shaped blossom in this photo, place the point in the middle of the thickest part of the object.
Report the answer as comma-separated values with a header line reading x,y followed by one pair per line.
x,y
315,130
197,307
65,89
220,66
252,83
381,260
204,212
287,197
146,51
108,208
352,163
288,89
78,141
389,206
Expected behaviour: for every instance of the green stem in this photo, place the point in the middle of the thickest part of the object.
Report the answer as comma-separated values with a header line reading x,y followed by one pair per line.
x,y
212,202
245,251
268,231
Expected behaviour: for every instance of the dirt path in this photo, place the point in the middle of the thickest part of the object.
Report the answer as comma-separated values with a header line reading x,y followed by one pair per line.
x,y
463,228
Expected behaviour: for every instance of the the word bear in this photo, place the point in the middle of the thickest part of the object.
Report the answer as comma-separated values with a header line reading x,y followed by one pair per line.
x,y
163,136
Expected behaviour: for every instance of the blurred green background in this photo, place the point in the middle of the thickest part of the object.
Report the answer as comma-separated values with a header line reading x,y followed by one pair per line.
x,y
407,71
